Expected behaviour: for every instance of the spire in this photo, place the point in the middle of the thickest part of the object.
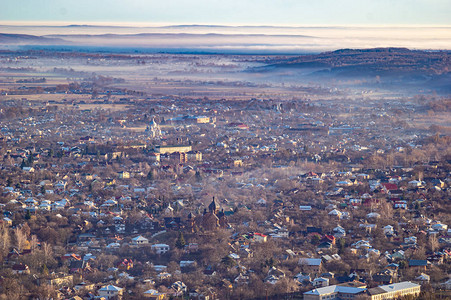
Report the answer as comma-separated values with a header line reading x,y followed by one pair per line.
x,y
214,206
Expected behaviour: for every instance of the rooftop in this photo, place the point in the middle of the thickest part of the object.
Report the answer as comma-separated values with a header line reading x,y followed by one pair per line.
x,y
335,289
392,287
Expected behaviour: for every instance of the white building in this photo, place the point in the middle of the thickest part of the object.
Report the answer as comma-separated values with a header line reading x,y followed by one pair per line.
x,y
111,291
160,248
333,292
320,282
154,129
139,241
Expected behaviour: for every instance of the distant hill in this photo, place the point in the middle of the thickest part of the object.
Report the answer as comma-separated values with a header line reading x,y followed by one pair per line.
x,y
376,61
25,39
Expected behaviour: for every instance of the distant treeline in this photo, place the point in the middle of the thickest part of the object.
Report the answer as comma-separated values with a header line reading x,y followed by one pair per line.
x,y
32,80
440,105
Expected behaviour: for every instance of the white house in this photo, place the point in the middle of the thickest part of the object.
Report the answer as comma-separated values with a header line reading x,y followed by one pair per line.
x,y
111,291
339,231
440,227
139,241
415,183
335,212
388,230
320,282
373,215
160,248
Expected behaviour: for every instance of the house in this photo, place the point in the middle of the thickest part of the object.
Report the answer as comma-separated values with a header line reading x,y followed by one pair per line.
x,y
305,207
187,263
418,263
123,174
373,215
274,275
320,282
400,204
28,169
179,288
355,201
160,248
7,221
394,291
79,266
329,239
242,279
202,294
139,241
311,265
440,227
324,246
110,292
384,277
446,285
302,277
60,280
339,232
260,238
335,213
20,269
415,183
389,230
261,202
84,287
398,255
125,264
362,244
423,278
154,294
387,187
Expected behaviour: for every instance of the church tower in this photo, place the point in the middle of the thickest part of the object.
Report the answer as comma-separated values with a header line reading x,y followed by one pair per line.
x,y
153,128
213,207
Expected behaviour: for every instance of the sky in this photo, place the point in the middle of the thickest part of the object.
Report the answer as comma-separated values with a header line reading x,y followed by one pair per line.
x,y
228,12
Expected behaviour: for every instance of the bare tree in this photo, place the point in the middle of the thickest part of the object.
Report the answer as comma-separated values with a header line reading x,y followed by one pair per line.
x,y
386,210
34,242
5,240
48,251
21,238
433,242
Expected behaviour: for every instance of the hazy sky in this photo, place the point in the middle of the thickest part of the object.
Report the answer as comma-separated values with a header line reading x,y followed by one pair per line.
x,y
230,12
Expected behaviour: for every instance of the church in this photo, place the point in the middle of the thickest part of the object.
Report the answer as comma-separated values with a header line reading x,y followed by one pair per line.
x,y
212,219
153,129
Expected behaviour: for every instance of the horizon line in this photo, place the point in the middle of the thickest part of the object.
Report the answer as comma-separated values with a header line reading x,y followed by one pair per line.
x,y
168,24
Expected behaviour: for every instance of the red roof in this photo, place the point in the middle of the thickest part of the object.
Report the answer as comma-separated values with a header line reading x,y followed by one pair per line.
x,y
389,186
329,237
260,234
20,267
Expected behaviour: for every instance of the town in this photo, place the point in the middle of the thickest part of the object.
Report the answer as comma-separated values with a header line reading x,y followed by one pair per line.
x,y
109,192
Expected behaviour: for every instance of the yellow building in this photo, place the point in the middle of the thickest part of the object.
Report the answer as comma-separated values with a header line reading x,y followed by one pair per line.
x,y
194,155
154,294
237,163
60,280
202,120
123,175
394,290
173,148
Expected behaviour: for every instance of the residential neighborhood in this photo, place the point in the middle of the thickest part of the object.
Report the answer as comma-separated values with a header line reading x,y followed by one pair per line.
x,y
302,201
128,174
